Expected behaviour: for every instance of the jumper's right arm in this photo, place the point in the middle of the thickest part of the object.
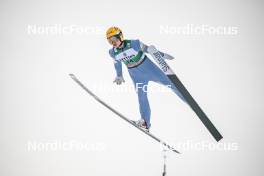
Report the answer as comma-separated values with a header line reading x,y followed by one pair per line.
x,y
118,68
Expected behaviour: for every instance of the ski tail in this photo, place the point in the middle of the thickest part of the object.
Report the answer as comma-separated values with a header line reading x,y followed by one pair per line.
x,y
190,100
196,108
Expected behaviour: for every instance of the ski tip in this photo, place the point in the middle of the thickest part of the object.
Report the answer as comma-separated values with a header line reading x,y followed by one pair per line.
x,y
71,75
219,139
177,151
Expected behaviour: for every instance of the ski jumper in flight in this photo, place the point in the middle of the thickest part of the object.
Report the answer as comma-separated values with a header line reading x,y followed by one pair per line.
x,y
141,69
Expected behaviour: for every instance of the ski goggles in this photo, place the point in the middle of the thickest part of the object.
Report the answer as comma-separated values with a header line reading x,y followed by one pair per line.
x,y
113,39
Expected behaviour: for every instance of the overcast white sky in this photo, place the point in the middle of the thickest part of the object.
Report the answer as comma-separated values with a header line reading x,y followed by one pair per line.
x,y
218,49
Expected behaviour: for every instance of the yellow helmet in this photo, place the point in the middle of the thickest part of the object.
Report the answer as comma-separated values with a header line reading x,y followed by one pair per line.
x,y
114,31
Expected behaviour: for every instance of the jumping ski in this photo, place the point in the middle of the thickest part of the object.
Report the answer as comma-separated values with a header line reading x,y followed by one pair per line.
x,y
157,56
120,115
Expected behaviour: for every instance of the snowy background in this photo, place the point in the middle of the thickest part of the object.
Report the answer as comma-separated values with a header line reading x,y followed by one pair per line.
x,y
41,105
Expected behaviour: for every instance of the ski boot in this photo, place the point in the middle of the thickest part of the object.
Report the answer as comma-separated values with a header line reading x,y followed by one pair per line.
x,y
141,124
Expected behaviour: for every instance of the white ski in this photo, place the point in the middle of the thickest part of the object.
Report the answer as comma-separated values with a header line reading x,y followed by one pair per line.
x,y
120,115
